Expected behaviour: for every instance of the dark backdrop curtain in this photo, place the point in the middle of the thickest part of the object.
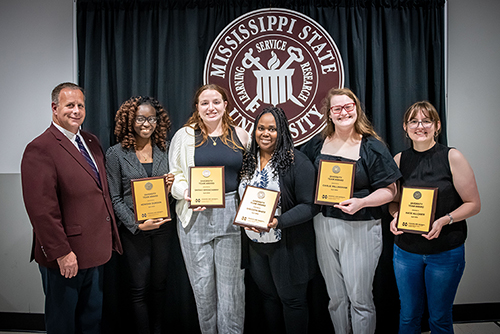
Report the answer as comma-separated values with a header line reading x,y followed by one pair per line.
x,y
393,55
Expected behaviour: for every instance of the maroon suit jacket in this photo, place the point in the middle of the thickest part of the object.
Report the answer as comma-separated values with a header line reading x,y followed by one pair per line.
x,y
66,206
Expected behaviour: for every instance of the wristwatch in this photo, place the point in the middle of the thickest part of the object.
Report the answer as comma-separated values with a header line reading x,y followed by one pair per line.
x,y
451,219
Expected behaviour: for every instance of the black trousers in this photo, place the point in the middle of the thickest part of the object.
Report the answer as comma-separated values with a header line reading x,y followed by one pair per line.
x,y
282,303
146,255
73,305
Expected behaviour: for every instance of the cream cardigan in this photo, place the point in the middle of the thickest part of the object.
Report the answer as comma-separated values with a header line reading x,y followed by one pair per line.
x,y
181,157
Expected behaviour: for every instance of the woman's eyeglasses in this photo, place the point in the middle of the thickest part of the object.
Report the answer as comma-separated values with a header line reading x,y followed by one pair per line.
x,y
426,123
347,107
142,119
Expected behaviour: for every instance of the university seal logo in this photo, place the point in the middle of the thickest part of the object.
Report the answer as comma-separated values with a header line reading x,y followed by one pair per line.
x,y
276,57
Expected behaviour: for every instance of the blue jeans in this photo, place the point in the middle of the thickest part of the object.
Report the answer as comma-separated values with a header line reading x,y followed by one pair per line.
x,y
436,276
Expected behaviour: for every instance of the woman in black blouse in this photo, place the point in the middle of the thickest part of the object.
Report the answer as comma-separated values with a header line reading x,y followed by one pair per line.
x,y
281,261
349,234
432,264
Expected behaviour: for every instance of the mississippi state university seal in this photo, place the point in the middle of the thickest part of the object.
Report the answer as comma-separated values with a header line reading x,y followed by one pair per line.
x,y
276,57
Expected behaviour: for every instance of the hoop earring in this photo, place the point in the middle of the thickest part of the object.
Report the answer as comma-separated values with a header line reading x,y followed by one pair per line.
x,y
406,135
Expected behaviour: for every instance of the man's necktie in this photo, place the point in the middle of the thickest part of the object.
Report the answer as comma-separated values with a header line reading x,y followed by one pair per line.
x,y
87,157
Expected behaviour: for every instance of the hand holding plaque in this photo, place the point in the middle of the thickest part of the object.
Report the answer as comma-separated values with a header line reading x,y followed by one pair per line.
x,y
416,209
257,208
150,198
207,187
335,182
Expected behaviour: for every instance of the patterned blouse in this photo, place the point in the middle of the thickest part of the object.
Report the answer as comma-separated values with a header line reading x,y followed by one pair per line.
x,y
266,179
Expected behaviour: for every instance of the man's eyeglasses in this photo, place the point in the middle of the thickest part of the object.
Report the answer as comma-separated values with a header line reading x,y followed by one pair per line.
x,y
142,119
426,123
347,107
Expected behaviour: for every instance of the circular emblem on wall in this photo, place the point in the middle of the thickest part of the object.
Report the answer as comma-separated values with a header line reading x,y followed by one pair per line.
x,y
277,57
417,195
148,186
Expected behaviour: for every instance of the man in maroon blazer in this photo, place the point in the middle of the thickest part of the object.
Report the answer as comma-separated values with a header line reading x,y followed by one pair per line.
x,y
74,230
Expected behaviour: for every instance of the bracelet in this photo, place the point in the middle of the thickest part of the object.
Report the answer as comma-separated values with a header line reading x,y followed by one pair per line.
x,y
451,219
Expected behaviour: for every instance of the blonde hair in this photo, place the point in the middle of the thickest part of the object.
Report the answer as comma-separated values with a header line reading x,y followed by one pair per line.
x,y
362,126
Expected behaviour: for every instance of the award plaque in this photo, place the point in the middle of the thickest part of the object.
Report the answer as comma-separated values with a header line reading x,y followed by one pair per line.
x,y
207,186
416,209
335,182
257,208
150,198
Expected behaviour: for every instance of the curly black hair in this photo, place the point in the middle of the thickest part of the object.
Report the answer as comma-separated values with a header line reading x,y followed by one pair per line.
x,y
283,157
125,118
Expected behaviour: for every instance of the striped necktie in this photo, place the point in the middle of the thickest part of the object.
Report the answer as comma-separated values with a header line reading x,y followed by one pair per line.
x,y
87,157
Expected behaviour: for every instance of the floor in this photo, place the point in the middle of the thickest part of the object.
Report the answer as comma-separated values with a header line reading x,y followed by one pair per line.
x,y
474,328
477,328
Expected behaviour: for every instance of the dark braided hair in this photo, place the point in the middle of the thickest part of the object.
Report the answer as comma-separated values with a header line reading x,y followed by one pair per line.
x,y
125,118
283,157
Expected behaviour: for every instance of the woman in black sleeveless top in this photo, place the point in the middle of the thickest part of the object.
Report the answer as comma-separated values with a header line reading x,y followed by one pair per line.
x,y
431,265
210,243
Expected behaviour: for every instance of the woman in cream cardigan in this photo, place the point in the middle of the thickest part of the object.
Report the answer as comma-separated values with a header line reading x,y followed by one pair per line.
x,y
209,241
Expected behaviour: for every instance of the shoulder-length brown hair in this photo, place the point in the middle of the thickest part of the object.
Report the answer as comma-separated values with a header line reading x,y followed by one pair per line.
x,y
196,122
427,109
125,118
362,126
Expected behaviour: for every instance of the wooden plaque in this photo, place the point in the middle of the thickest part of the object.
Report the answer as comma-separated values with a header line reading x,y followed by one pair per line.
x,y
257,208
416,209
207,186
150,198
335,182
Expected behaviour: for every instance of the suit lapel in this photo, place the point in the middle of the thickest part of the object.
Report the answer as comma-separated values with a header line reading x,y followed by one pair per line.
x,y
158,160
96,151
68,146
131,158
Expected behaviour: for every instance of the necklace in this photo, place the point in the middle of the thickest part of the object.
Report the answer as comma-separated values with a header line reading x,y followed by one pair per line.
x,y
144,150
145,157
213,141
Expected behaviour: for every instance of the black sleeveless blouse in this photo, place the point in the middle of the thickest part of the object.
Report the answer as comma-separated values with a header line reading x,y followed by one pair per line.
x,y
432,169
209,154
